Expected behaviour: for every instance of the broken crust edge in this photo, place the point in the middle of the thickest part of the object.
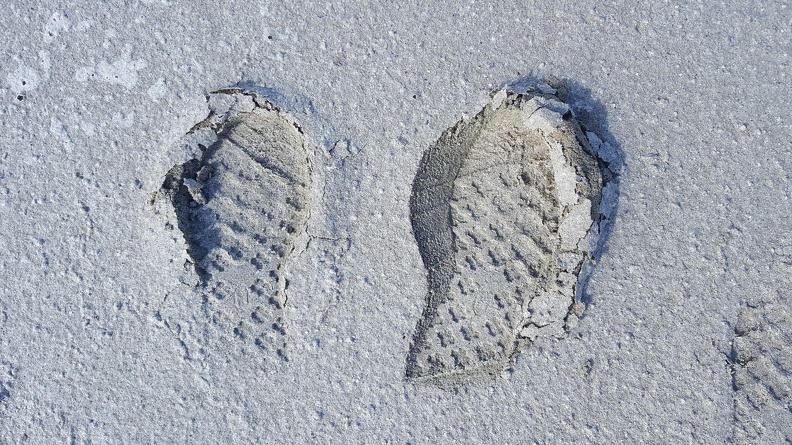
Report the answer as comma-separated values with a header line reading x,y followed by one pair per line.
x,y
492,369
260,102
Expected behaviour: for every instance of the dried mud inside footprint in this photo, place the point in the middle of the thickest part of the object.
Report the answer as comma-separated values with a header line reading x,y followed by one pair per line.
x,y
241,206
504,209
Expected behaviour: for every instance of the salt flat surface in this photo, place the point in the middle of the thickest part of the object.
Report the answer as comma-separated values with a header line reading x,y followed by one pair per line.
x,y
104,340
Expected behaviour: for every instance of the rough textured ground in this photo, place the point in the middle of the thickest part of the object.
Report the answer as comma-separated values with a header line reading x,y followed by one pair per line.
x,y
683,337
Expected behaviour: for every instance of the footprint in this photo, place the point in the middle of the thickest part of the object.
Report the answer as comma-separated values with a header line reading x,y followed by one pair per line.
x,y
762,370
241,206
505,211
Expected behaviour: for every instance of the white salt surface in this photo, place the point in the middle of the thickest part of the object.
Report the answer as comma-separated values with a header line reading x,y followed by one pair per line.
x,y
99,341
